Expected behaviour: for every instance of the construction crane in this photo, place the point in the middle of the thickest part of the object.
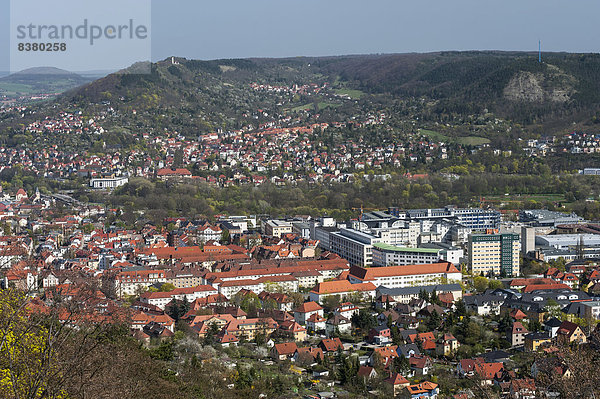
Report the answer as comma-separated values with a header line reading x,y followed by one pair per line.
x,y
362,209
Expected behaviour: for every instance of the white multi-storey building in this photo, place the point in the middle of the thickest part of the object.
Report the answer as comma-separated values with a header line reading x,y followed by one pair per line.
x,y
108,183
353,245
390,255
406,276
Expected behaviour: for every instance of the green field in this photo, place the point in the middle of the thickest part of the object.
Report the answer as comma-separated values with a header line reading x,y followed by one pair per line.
x,y
14,88
302,108
472,140
321,105
326,105
354,94
434,135
468,140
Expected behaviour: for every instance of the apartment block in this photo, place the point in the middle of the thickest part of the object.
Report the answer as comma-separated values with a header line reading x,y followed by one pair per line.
x,y
406,276
495,253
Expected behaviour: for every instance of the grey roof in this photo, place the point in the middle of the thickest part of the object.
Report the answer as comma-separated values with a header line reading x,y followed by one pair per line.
x,y
575,308
537,301
495,356
477,300
553,322
406,333
416,290
504,293
405,350
538,335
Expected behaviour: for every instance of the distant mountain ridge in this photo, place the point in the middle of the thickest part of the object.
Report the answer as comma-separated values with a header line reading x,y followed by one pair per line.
x,y
41,80
44,71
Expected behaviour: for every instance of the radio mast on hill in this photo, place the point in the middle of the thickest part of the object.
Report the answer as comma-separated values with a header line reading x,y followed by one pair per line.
x,y
540,51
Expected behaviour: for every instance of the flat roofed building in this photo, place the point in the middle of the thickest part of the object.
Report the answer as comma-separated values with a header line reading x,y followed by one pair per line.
x,y
565,241
108,183
474,218
592,310
353,245
495,253
546,218
390,255
277,228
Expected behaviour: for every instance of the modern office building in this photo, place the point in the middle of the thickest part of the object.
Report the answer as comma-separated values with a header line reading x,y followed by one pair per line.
x,y
473,218
391,255
354,246
108,183
277,228
568,241
495,253
546,218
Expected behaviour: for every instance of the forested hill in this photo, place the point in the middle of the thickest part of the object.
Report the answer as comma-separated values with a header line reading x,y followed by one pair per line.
x,y
195,96
508,83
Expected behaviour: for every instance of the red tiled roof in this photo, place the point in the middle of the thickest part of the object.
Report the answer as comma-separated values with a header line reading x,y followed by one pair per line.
x,y
537,287
286,348
338,287
308,307
396,379
332,344
372,273
173,172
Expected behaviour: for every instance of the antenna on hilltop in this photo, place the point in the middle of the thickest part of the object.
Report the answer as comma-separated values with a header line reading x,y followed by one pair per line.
x,y
540,51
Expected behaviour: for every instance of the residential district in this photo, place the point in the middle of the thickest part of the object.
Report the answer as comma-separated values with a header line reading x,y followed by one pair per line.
x,y
421,303
283,151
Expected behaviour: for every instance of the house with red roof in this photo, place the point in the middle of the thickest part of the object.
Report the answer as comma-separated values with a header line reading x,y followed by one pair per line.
x,y
330,345
226,340
423,390
175,173
342,289
189,294
141,319
405,276
397,381
308,355
523,388
21,195
284,350
420,364
303,312
516,334
486,371
293,330
446,344
569,332
366,373
517,314
385,354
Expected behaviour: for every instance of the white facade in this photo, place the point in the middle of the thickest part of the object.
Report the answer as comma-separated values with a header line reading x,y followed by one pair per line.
x,y
388,255
108,183
353,245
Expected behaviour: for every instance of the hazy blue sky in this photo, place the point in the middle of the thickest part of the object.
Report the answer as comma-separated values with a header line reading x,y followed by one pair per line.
x,y
276,28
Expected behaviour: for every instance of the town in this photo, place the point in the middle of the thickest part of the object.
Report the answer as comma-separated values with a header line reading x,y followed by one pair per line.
x,y
427,303
281,152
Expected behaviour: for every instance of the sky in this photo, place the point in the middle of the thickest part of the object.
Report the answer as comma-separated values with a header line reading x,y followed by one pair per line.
x,y
202,29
